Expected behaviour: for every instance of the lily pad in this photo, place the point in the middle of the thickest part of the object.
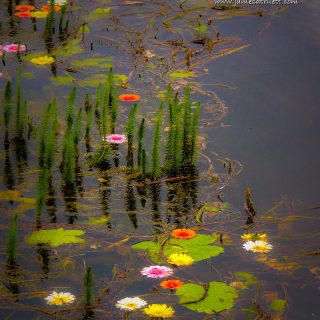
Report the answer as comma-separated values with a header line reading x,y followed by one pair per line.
x,y
199,248
55,237
97,79
247,279
98,221
278,305
181,74
99,13
62,80
93,62
216,297
69,49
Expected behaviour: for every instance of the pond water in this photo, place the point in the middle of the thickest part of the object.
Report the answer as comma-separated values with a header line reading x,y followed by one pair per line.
x,y
86,216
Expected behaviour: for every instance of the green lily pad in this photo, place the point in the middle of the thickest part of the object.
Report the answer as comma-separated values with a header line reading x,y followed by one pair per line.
x,y
93,62
247,279
199,248
201,28
63,80
216,297
55,237
181,74
99,13
98,221
278,305
97,79
69,49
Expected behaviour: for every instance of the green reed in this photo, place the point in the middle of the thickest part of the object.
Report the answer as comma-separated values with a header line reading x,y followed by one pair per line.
x,y
89,114
141,149
12,240
7,105
63,27
49,26
78,127
88,286
70,107
156,145
21,109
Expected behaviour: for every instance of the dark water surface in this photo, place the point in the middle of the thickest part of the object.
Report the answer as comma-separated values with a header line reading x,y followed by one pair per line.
x,y
262,132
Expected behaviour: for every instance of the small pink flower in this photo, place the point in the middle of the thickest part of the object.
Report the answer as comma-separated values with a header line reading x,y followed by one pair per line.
x,y
14,47
115,138
156,271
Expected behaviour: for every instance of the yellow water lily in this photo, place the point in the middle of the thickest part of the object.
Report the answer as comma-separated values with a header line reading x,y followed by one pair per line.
x,y
39,14
42,60
180,259
159,311
254,237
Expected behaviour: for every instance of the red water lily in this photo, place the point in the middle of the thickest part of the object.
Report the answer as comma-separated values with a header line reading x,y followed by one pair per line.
x,y
171,284
183,233
129,97
24,7
23,14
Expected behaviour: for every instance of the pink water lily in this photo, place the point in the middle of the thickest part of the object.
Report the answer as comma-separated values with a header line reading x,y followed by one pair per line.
x,y
157,271
115,138
14,47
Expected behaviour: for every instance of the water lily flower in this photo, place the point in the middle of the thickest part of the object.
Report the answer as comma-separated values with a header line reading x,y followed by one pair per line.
x,y
39,14
171,284
157,271
23,14
257,246
131,97
59,2
115,138
46,8
159,311
254,236
14,47
183,233
42,60
180,259
60,298
131,303
24,7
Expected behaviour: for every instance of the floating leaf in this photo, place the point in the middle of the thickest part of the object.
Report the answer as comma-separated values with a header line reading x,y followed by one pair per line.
x,y
62,80
278,305
55,237
69,49
218,296
98,221
10,195
101,78
93,62
201,28
99,13
29,57
247,279
181,74
199,247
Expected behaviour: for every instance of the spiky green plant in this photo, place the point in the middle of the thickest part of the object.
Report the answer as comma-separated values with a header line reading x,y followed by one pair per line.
x,y
70,107
7,105
12,240
88,286
49,26
156,145
114,109
68,157
131,122
78,127
89,115
141,150
63,11
21,109
42,191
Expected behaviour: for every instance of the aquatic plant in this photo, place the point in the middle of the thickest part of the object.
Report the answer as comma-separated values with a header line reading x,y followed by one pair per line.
x,y
250,207
24,7
49,27
180,259
129,97
156,145
21,109
171,284
254,237
68,157
115,138
88,285
60,298
183,233
78,127
141,149
12,240
23,14
257,246
156,271
43,60
63,28
159,311
131,303
7,105
14,47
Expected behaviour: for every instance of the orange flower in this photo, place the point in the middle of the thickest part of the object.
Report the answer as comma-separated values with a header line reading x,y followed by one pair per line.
x,y
183,233
171,284
23,14
129,97
24,7
46,8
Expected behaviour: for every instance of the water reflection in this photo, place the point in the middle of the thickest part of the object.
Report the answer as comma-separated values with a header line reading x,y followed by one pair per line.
x,y
105,198
131,207
8,174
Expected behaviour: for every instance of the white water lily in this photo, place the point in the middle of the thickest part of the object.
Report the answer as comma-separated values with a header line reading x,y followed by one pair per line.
x,y
131,303
60,298
257,246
